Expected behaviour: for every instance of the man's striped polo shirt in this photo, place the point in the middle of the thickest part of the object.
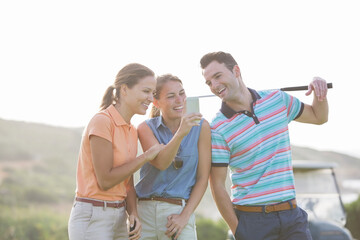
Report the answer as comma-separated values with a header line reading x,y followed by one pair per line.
x,y
256,147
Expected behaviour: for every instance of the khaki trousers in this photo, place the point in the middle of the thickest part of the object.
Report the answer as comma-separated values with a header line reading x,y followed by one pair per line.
x,y
89,222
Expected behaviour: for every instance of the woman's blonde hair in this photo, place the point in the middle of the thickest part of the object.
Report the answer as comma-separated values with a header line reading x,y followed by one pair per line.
x,y
129,75
160,81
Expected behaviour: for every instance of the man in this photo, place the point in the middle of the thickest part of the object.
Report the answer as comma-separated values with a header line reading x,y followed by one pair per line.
x,y
250,136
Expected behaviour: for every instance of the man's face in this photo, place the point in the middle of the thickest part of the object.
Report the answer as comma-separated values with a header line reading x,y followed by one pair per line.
x,y
222,82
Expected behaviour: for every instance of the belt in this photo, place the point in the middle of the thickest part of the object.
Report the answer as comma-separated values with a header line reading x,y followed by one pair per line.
x,y
268,208
176,201
99,203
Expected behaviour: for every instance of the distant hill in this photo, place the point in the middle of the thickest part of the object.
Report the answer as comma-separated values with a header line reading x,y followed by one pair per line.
x,y
29,141
33,155
37,163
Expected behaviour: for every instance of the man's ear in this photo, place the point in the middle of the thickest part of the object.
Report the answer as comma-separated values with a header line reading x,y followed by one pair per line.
x,y
236,71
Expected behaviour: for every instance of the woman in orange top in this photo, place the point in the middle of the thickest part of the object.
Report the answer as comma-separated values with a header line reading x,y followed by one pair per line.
x,y
105,193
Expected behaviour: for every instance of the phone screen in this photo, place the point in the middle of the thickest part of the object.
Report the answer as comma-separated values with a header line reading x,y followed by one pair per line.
x,y
192,105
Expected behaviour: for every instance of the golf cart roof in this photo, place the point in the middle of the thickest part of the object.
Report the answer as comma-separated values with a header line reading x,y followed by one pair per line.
x,y
310,164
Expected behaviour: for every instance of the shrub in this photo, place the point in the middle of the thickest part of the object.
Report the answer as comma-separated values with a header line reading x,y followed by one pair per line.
x,y
208,229
32,224
353,218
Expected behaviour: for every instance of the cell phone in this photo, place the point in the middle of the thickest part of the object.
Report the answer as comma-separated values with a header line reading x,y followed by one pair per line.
x,y
132,229
192,105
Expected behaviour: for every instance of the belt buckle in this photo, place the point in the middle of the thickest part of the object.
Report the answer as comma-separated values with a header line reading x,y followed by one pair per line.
x,y
265,209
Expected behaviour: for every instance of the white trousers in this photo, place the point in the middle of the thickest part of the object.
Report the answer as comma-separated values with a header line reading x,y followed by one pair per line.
x,y
153,216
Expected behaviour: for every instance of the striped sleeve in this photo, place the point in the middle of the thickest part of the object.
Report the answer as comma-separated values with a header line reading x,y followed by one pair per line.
x,y
294,106
220,150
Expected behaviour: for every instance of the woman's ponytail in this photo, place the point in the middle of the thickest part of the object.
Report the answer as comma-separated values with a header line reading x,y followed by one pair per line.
x,y
108,98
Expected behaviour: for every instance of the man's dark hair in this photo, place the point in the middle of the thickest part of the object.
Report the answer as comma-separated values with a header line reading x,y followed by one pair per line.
x,y
220,57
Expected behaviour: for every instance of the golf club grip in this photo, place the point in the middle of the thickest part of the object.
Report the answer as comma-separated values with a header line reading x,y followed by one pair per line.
x,y
299,88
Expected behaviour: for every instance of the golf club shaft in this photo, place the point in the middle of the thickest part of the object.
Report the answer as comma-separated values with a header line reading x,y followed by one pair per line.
x,y
298,88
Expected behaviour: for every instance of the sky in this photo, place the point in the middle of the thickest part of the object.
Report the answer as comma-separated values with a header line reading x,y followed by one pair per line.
x,y
58,57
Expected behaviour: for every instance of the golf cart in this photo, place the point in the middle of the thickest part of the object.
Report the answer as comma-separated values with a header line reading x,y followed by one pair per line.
x,y
317,192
